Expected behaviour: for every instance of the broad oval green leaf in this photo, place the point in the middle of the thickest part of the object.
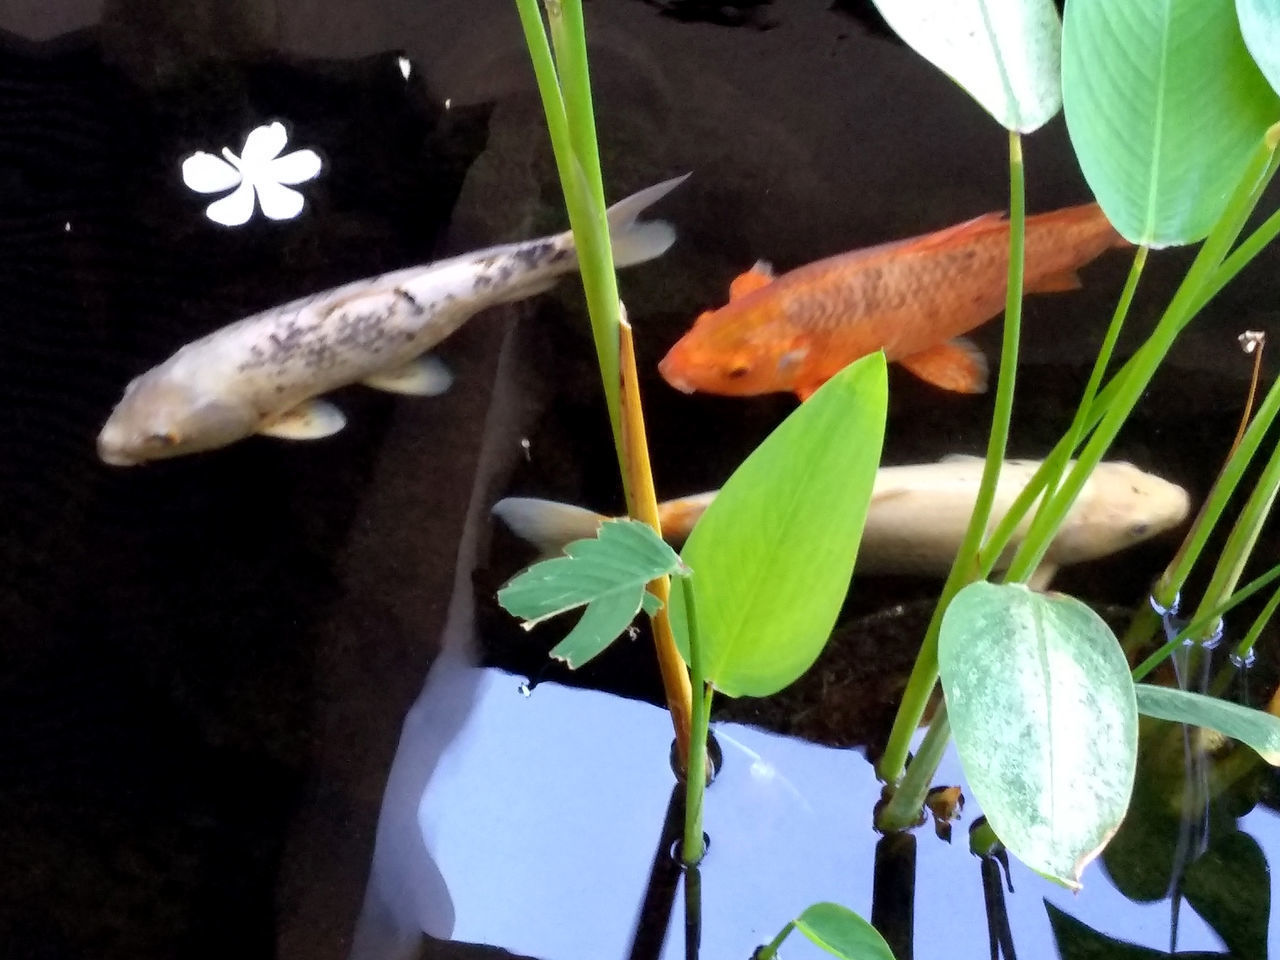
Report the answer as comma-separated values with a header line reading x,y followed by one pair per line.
x,y
773,554
841,932
1260,25
1004,53
1164,106
1043,712
1258,729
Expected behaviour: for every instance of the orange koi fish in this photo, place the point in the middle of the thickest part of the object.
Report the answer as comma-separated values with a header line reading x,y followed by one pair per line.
x,y
912,298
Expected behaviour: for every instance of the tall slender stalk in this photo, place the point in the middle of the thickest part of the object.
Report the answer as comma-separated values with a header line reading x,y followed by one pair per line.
x,y
924,673
564,84
696,769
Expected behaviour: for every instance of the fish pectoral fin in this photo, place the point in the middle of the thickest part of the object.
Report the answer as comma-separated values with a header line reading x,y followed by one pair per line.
x,y
956,365
760,275
309,420
427,376
1059,282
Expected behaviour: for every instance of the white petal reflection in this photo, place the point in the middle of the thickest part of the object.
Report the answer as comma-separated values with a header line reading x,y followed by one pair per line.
x,y
278,202
262,145
235,208
205,173
294,167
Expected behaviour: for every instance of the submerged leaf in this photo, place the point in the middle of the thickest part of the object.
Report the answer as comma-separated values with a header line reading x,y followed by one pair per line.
x,y
840,931
1258,729
774,551
607,573
1164,106
1004,53
1042,707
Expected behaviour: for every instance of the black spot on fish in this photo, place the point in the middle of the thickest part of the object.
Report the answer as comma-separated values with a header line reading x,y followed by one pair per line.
x,y
535,253
482,282
414,305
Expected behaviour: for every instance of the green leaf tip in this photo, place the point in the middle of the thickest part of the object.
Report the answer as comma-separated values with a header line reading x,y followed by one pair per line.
x,y
607,573
842,933
1258,729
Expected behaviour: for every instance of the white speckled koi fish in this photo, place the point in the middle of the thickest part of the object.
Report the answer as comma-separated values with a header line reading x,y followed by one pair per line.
x,y
262,374
919,514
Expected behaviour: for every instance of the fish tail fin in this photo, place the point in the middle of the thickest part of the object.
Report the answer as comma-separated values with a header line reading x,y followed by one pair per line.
x,y
548,525
635,241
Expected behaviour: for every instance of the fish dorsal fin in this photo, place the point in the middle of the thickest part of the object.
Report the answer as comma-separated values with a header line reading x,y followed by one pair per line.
x,y
309,420
760,275
1059,282
956,365
949,235
427,376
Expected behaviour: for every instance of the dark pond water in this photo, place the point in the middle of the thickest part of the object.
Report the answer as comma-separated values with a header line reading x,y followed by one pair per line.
x,y
213,668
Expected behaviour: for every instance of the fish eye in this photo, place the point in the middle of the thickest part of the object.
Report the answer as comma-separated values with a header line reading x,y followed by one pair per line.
x,y
167,439
737,371
1139,530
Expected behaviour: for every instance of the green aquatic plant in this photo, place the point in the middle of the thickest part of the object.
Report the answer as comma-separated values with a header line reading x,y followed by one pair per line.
x,y
837,930
1172,122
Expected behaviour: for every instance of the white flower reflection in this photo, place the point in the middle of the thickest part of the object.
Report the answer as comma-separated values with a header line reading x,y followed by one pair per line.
x,y
258,170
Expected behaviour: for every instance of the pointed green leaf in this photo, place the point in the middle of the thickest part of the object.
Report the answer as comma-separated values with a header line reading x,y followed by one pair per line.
x,y
624,555
1004,53
1164,106
1258,729
602,622
841,932
1260,25
1042,707
774,551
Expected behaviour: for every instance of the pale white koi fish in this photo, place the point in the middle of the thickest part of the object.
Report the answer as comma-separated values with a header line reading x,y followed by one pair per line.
x,y
263,373
919,513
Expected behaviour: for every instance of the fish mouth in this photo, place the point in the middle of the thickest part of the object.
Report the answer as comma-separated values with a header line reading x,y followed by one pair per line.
x,y
664,370
111,454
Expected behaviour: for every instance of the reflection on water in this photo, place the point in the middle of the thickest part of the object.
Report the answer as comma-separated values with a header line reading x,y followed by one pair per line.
x,y
537,829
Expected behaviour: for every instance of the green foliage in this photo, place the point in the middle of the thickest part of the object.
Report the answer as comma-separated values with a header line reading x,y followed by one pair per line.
x,y
774,552
1042,707
1004,53
608,574
1164,106
837,930
1260,25
1258,729
842,933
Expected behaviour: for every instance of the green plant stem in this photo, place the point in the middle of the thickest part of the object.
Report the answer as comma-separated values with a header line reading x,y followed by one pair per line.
x,y
1133,379
696,770
903,808
1240,542
924,673
566,101
1201,626
1245,648
770,950
1145,620
1080,422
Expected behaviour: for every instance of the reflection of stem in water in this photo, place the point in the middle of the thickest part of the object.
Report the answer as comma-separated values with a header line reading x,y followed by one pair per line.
x,y
1191,668
664,878
692,912
999,933
893,892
